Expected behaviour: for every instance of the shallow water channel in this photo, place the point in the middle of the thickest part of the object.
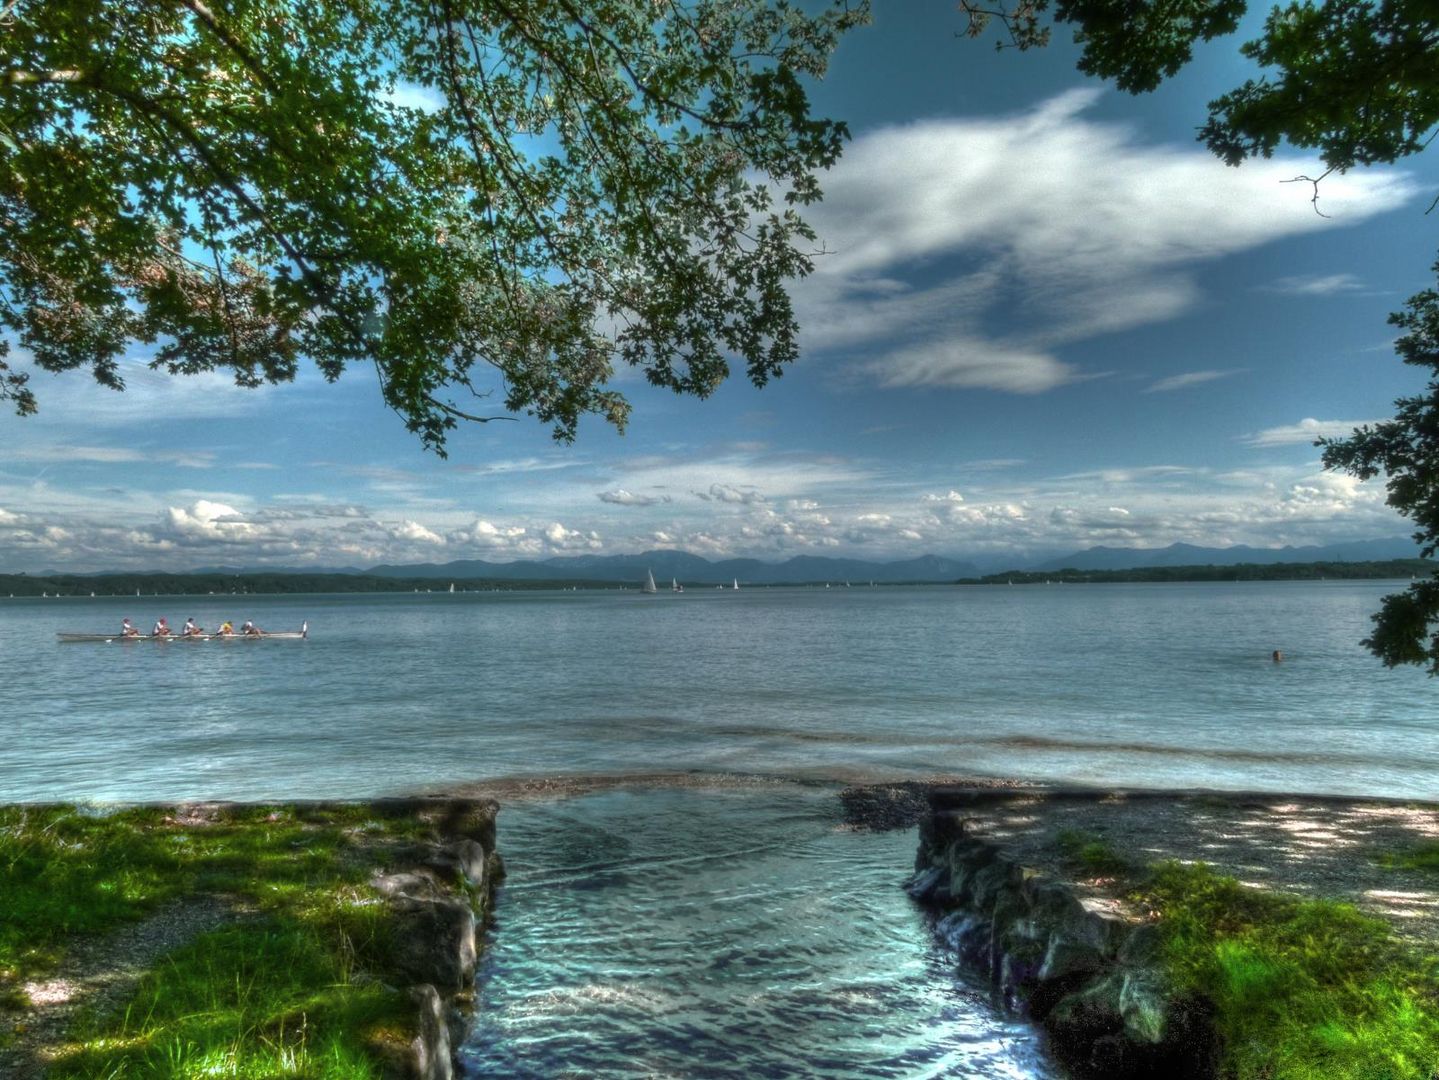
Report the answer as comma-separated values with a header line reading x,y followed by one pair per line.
x,y
682,933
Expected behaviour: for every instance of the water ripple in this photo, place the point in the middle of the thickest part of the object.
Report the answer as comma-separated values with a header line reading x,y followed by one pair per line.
x,y
738,935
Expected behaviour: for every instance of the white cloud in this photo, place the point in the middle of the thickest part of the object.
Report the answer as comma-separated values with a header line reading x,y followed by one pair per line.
x,y
488,534
1086,227
728,493
1306,431
563,539
1316,285
971,364
621,497
413,530
1188,379
206,520
148,394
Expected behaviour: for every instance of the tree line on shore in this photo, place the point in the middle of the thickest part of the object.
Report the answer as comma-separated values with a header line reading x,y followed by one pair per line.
x,y
26,585
1310,571
18,585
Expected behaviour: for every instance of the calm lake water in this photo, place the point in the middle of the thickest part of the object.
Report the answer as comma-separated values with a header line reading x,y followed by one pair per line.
x,y
719,933
1114,684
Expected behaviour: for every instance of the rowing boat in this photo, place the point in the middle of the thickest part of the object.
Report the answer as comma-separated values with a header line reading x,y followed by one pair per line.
x,y
265,635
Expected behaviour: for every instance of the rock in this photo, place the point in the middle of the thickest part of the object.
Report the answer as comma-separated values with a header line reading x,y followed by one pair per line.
x,y
926,885
446,863
434,941
1095,983
416,885
433,1059
435,904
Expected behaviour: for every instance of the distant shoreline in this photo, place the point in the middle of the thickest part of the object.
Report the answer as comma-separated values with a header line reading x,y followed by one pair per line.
x,y
20,586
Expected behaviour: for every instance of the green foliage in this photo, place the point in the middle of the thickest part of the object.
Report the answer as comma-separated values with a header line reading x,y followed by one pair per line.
x,y
1354,79
1304,990
1139,45
246,186
1406,451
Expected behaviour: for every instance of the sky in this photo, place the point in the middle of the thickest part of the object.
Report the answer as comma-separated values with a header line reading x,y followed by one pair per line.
x,y
1047,318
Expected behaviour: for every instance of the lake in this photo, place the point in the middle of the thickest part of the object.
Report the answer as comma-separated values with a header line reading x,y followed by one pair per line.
x,y
1143,685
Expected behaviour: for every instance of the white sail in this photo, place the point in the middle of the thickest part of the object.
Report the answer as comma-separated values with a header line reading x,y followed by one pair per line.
x,y
675,586
736,584
649,585
452,586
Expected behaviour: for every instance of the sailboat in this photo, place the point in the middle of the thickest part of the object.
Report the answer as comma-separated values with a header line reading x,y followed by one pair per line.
x,y
675,586
649,585
736,584
452,586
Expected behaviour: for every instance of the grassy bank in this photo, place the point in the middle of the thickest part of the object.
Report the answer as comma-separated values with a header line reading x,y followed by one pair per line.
x,y
1302,989
281,985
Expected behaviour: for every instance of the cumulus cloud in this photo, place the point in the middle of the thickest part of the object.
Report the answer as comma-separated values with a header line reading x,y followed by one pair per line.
x,y
621,497
413,530
563,539
1306,431
488,534
1188,379
1087,227
206,520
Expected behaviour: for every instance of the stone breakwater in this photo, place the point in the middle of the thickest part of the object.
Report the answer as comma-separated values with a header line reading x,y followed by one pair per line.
x,y
1091,980
438,894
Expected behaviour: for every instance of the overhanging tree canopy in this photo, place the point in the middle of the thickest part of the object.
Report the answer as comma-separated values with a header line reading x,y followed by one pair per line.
x,y
440,187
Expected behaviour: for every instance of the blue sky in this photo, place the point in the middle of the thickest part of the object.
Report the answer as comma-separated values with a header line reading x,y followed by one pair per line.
x,y
1048,319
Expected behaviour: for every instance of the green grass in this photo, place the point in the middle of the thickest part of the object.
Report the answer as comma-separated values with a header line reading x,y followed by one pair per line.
x,y
282,992
1304,990
1423,856
262,1000
1090,853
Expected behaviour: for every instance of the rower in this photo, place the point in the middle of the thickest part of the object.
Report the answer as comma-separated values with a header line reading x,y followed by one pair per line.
x,y
226,629
250,629
127,630
190,629
162,628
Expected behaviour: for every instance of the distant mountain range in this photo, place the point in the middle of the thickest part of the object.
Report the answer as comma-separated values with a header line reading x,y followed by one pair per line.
x,y
665,564
1112,558
691,568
